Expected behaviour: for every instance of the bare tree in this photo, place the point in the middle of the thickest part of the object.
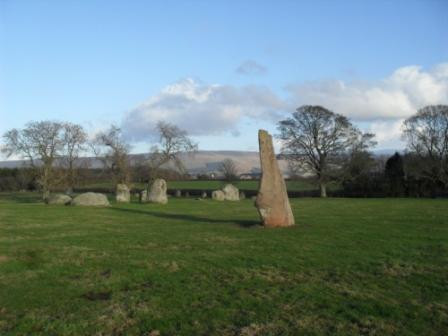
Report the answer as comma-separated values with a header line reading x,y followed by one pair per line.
x,y
110,147
357,159
316,139
42,143
426,134
75,140
172,142
229,170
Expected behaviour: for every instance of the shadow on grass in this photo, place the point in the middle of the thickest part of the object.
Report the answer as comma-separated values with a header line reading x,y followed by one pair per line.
x,y
241,222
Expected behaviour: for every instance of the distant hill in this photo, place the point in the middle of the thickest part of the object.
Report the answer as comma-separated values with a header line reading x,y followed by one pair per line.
x,y
202,162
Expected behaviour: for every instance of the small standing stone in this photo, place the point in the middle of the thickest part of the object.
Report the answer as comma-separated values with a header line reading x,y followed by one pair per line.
x,y
144,196
204,194
242,195
231,193
91,199
272,200
157,192
123,194
178,193
187,194
218,195
69,192
59,199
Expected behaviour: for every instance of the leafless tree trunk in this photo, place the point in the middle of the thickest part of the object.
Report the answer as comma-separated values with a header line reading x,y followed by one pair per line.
x,y
229,170
42,144
75,139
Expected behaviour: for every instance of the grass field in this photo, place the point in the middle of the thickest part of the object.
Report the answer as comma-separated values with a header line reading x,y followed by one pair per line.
x,y
216,184
350,267
245,184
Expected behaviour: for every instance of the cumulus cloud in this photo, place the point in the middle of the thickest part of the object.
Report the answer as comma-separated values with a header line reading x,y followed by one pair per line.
x,y
388,133
396,97
250,67
202,109
213,109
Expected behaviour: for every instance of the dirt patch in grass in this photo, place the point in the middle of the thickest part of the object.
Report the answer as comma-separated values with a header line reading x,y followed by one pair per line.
x,y
402,269
97,296
256,330
172,266
31,258
3,259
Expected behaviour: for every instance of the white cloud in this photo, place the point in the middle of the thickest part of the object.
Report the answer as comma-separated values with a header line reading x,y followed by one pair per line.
x,y
398,96
387,133
250,67
384,103
202,109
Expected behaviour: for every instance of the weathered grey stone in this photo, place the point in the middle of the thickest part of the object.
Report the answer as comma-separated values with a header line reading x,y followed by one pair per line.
x,y
272,200
204,194
242,195
218,195
231,193
91,199
178,193
59,199
144,196
157,192
187,194
123,194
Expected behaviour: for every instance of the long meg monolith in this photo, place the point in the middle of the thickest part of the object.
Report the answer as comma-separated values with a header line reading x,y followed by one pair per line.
x,y
272,200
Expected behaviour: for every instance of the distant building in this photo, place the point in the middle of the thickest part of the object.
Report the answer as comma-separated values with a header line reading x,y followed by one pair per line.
x,y
250,176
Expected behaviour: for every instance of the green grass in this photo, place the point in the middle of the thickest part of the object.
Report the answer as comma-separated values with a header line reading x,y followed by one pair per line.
x,y
350,267
214,184
244,184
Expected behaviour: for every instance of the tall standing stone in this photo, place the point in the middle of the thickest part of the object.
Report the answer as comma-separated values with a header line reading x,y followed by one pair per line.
x,y
272,200
123,194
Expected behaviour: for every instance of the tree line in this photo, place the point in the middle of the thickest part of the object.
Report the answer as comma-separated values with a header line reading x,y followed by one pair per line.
x,y
54,150
316,141
329,146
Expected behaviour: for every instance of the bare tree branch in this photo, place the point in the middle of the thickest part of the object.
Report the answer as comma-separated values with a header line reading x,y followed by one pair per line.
x,y
113,151
316,138
42,143
426,134
172,142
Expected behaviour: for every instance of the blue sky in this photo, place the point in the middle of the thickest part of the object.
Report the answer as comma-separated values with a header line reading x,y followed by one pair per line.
x,y
220,69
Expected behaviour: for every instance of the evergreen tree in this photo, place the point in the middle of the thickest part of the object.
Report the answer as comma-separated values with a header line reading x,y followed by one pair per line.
x,y
394,172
